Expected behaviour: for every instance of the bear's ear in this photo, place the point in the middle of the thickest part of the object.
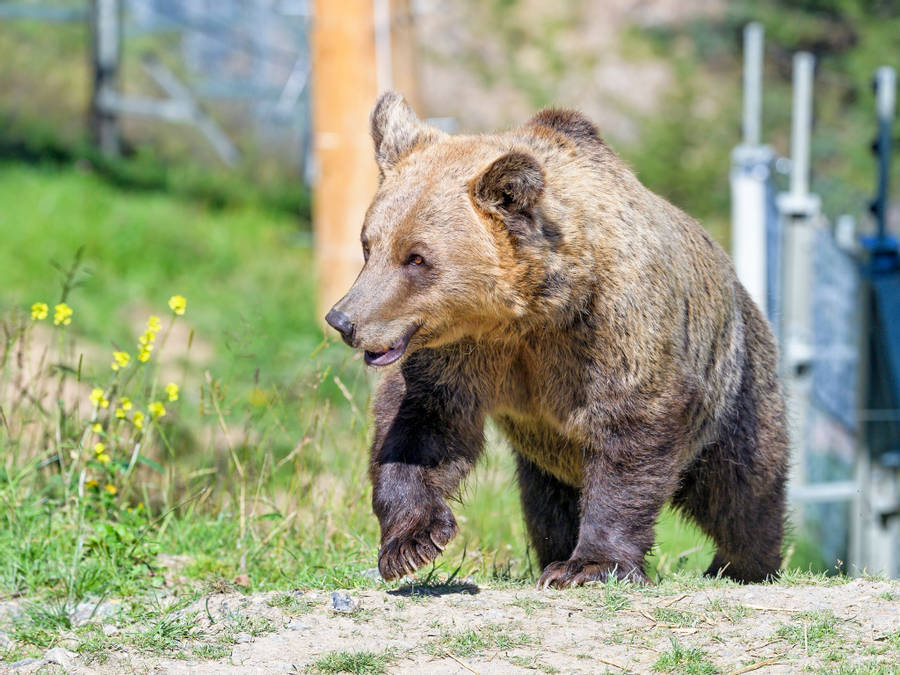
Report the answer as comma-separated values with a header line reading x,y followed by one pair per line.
x,y
510,187
396,130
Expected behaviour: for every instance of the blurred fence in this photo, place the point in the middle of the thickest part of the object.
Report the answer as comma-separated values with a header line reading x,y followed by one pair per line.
x,y
246,61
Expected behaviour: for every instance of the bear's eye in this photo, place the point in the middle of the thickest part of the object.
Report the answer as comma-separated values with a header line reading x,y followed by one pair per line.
x,y
415,259
365,251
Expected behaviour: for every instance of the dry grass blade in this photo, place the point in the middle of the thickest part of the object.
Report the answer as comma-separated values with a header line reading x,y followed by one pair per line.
x,y
464,665
754,666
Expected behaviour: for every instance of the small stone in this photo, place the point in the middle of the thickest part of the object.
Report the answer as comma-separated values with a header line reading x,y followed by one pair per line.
x,y
296,624
242,638
242,580
5,641
61,656
372,574
341,602
89,610
23,662
109,630
495,615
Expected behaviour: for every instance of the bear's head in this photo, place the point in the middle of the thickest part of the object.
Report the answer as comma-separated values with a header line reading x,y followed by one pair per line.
x,y
441,238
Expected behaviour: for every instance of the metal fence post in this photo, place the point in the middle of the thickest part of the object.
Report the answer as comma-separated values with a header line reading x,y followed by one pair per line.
x,y
106,55
799,211
751,165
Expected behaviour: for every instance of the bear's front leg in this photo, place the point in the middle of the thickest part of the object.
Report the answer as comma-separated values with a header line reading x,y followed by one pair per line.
x,y
427,438
623,491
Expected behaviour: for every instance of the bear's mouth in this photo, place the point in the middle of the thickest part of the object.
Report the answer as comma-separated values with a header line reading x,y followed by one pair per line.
x,y
392,353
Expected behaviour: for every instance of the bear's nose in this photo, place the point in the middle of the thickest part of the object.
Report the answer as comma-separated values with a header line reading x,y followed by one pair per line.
x,y
342,324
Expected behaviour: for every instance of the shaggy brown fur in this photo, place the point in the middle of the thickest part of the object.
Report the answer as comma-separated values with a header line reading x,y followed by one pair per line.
x,y
529,276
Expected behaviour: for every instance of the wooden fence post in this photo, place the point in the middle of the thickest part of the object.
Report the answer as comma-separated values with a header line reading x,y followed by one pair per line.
x,y
344,91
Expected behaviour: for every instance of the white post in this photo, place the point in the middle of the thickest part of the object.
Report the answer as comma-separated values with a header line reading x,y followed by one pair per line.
x,y
753,64
750,173
799,212
801,124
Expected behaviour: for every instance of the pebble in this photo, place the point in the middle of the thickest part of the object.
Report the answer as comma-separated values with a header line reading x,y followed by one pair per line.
x,y
60,656
85,611
5,641
109,630
341,602
242,638
23,662
296,624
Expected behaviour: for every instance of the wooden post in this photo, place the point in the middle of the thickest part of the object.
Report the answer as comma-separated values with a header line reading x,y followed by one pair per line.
x,y
106,55
344,91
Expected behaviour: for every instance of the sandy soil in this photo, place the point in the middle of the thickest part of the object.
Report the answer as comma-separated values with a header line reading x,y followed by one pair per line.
x,y
470,629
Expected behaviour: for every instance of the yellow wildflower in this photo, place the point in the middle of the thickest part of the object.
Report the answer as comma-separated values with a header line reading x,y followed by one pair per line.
x,y
120,360
62,314
153,324
138,420
103,458
125,402
172,391
111,489
156,409
99,448
97,427
144,354
177,304
39,311
120,413
98,399
91,483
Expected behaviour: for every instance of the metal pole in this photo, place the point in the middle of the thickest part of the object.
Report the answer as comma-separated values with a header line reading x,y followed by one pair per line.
x,y
799,212
106,30
753,63
885,101
750,176
801,124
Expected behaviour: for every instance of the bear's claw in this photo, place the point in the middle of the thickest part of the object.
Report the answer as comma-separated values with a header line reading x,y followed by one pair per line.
x,y
404,553
577,572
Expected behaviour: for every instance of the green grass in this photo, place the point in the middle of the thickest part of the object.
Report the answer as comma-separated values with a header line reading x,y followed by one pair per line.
x,y
473,641
361,662
811,631
245,270
687,660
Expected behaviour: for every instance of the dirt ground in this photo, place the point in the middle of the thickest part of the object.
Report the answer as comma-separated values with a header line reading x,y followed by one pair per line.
x,y
781,628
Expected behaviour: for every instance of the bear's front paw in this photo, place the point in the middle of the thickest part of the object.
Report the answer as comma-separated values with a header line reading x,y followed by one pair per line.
x,y
416,545
578,571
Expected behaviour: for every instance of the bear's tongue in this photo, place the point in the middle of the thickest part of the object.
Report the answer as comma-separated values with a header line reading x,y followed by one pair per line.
x,y
394,352
386,357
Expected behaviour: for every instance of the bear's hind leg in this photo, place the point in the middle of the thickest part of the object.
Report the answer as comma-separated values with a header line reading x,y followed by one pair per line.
x,y
747,530
735,488
551,512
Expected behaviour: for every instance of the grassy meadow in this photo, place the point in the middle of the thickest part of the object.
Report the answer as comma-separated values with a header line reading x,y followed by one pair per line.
x,y
236,446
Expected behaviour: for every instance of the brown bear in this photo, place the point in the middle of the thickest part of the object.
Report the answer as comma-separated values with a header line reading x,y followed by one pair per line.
x,y
530,277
